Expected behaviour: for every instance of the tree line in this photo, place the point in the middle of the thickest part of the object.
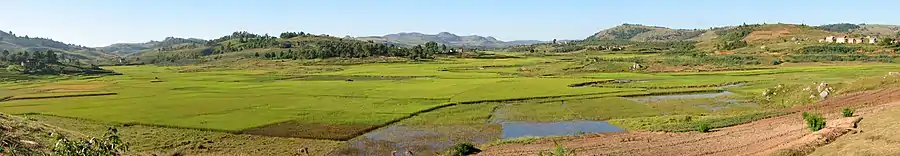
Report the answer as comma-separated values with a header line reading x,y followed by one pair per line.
x,y
297,45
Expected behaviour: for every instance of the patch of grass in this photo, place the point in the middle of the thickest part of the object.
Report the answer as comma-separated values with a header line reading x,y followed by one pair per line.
x,y
161,141
454,115
463,149
847,112
684,123
519,140
814,121
703,127
559,150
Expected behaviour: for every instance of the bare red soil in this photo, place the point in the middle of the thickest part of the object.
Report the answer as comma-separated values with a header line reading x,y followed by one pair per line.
x,y
761,137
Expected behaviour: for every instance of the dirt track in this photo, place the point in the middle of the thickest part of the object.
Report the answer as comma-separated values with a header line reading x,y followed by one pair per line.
x,y
756,138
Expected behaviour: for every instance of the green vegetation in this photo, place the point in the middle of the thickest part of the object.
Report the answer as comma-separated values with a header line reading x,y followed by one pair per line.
x,y
300,85
814,121
684,123
110,145
840,27
703,127
463,149
559,150
14,43
732,38
847,112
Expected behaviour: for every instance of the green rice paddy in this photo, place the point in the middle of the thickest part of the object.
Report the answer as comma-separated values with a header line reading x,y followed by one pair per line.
x,y
355,99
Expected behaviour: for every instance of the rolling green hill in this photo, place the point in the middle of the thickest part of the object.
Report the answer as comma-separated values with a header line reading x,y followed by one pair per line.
x,y
16,43
289,45
131,48
637,32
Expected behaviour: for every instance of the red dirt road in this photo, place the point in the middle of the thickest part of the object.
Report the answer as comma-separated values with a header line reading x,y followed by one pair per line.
x,y
756,138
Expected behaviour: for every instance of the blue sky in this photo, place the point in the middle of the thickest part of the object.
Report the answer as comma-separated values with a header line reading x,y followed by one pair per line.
x,y
103,22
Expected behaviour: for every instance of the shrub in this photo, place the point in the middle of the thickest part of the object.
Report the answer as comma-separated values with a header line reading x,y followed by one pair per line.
x,y
703,127
110,145
777,62
847,112
559,151
15,69
814,122
462,149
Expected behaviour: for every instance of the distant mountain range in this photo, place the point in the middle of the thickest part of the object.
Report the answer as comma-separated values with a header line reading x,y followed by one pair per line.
x,y
449,39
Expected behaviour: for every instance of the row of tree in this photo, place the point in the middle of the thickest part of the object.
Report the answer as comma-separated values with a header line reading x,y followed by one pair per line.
x,y
292,45
339,49
29,62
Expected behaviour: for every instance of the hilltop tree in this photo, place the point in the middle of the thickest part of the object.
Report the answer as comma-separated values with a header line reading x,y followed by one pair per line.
x,y
4,56
432,47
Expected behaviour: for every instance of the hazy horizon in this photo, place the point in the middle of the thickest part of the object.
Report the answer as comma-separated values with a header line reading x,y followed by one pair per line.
x,y
97,23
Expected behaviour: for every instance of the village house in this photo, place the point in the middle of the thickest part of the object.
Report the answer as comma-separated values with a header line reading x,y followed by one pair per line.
x,y
841,40
850,40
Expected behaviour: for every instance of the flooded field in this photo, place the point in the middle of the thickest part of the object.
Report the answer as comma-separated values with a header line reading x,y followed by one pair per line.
x,y
561,128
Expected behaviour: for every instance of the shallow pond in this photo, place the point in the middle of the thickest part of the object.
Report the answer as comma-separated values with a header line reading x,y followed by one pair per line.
x,y
421,140
654,98
517,129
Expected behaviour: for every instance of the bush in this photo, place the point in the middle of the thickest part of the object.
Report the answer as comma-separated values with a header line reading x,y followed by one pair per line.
x,y
777,62
847,112
110,145
559,151
703,127
462,149
814,122
15,69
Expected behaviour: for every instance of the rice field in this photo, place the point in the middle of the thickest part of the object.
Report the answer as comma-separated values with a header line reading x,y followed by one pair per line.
x,y
353,100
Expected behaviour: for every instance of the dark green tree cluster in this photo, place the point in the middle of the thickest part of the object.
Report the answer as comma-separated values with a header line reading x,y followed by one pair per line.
x,y
356,49
840,27
293,45
30,62
829,49
287,35
730,39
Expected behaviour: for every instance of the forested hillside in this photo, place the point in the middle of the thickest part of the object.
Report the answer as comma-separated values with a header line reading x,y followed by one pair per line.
x,y
23,43
288,45
167,43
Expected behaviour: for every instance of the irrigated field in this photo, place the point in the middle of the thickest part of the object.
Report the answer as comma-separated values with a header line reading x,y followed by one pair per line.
x,y
346,102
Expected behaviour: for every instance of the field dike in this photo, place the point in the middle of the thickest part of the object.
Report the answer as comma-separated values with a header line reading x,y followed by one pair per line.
x,y
11,98
676,87
127,124
5,98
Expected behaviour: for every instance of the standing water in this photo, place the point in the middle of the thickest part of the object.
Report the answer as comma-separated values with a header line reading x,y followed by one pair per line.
x,y
522,129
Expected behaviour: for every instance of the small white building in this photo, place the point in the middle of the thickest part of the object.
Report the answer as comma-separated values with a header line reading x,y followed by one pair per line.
x,y
873,40
841,40
830,39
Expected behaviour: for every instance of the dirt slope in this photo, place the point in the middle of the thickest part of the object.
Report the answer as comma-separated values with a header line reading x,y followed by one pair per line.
x,y
761,137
